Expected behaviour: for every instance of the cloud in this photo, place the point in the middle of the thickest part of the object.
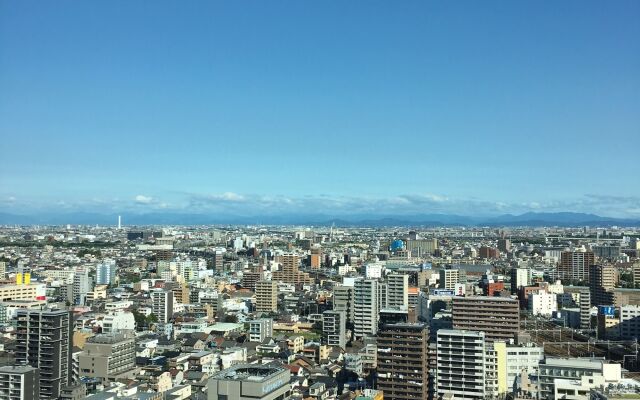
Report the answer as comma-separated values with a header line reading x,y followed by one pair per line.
x,y
142,199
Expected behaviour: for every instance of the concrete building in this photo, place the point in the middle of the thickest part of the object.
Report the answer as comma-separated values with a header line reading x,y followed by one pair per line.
x,y
421,247
162,304
43,341
520,277
460,364
522,359
602,282
266,297
290,272
106,272
553,369
32,291
365,301
107,355
343,300
260,329
585,309
629,326
574,265
82,284
498,318
542,303
250,382
397,294
449,277
19,383
403,361
334,328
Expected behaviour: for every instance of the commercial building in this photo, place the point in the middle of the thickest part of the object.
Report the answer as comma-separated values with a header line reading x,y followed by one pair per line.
x,y
519,359
574,265
334,328
553,369
421,247
403,361
260,329
629,326
498,318
32,291
43,341
107,355
266,297
250,382
449,277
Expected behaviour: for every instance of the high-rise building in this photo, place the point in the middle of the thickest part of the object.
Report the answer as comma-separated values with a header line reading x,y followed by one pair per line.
x,y
497,317
520,277
3,269
260,329
403,361
460,366
585,309
397,291
19,382
43,341
602,281
365,304
504,245
488,252
334,328
107,355
162,304
82,284
266,297
343,300
290,272
574,265
449,277
106,272
250,278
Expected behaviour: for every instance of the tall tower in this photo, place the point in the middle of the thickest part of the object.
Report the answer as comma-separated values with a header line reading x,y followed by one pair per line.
x,y
119,222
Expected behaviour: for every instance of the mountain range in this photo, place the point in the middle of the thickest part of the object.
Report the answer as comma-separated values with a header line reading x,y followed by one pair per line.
x,y
568,219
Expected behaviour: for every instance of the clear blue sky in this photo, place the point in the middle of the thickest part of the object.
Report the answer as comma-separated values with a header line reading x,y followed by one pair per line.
x,y
361,106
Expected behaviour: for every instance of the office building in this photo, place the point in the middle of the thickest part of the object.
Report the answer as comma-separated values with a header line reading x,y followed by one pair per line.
x,y
422,247
162,304
43,341
260,329
553,369
334,328
19,382
574,265
602,281
250,382
542,303
497,317
106,272
365,304
106,356
31,291
460,364
266,297
403,361
519,359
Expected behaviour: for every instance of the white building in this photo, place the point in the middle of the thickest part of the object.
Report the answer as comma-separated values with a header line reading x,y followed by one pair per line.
x,y
521,359
260,329
543,303
365,304
106,272
460,367
162,304
629,321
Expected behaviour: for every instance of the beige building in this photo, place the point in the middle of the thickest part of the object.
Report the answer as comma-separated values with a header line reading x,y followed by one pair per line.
x,y
266,296
108,355
497,317
34,291
290,272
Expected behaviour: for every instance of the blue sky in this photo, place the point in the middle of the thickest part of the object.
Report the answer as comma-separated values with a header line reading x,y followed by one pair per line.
x,y
469,107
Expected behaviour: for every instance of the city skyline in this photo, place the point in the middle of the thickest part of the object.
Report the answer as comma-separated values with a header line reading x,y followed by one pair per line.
x,y
462,108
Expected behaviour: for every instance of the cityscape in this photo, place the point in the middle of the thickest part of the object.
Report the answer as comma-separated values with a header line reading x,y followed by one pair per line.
x,y
336,200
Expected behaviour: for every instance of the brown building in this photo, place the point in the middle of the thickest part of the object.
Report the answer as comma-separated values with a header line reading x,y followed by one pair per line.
x,y
602,280
290,272
488,252
574,265
497,317
316,260
403,361
250,278
266,296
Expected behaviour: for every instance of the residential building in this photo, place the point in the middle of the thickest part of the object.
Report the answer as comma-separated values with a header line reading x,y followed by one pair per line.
x,y
574,265
260,329
366,308
43,341
602,281
543,303
19,382
520,277
106,272
497,317
290,272
403,361
449,277
266,297
397,294
107,355
343,300
460,364
334,328
162,304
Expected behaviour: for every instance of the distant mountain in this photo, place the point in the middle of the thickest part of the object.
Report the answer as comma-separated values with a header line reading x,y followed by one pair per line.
x,y
568,219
